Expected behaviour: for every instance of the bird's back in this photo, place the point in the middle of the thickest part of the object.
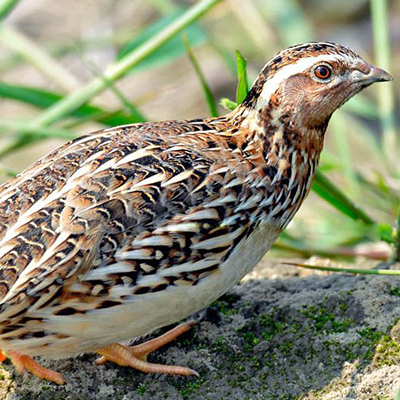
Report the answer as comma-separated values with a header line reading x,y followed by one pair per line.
x,y
118,213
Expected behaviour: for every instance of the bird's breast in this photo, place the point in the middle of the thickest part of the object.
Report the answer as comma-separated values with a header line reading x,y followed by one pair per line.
x,y
178,302
145,313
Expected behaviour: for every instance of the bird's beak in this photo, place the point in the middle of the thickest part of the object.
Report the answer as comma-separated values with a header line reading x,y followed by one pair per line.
x,y
379,75
367,74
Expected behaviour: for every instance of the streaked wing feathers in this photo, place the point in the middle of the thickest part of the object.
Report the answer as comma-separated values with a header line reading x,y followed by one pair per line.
x,y
93,201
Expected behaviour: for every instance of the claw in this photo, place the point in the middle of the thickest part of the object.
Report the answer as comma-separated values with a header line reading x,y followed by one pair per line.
x,y
24,363
136,356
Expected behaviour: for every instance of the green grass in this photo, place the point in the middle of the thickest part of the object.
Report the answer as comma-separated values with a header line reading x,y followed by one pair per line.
x,y
209,97
6,6
76,99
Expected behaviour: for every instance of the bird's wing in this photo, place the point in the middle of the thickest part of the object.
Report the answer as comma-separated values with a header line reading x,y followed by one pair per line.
x,y
106,197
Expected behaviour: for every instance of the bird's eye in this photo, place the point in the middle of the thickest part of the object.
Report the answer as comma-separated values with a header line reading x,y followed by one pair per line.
x,y
323,72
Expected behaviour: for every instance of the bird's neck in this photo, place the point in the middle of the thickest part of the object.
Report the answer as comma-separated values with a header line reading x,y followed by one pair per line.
x,y
281,157
274,135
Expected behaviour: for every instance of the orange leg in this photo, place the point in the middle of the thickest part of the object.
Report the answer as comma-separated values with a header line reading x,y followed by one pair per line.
x,y
3,357
25,363
136,356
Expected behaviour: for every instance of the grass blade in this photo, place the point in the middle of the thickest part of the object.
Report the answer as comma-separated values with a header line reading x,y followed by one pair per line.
x,y
379,16
44,99
334,196
170,50
117,70
296,246
243,86
134,112
228,104
42,61
29,135
6,6
357,271
340,127
210,99
43,132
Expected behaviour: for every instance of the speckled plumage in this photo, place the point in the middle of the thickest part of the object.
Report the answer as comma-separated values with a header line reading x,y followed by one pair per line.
x,y
125,230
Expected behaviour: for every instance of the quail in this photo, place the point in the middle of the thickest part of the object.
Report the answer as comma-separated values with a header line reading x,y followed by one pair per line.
x,y
126,230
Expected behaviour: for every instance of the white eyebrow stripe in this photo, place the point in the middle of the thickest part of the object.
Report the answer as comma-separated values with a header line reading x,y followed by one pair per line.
x,y
272,84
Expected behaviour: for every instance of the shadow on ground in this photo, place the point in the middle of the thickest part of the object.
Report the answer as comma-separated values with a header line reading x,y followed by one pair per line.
x,y
288,337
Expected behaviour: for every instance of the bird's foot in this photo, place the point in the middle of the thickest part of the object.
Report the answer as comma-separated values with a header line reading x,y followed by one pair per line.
x,y
24,363
136,356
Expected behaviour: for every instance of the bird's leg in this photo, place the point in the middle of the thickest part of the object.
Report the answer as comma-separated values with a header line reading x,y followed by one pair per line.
x,y
24,363
136,356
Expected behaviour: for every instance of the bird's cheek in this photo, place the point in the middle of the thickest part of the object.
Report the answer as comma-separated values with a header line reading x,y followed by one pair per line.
x,y
313,109
336,95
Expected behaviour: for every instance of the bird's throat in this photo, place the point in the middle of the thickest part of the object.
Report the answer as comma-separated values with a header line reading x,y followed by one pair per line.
x,y
284,155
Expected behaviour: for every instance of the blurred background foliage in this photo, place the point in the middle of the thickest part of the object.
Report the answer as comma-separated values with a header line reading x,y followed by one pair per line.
x,y
73,66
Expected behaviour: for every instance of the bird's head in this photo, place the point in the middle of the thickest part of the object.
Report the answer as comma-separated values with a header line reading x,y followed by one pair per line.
x,y
308,82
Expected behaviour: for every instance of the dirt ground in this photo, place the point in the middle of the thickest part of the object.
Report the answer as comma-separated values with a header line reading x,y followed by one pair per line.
x,y
283,333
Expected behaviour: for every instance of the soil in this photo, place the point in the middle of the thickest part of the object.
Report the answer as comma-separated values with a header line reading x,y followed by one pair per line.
x,y
283,333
